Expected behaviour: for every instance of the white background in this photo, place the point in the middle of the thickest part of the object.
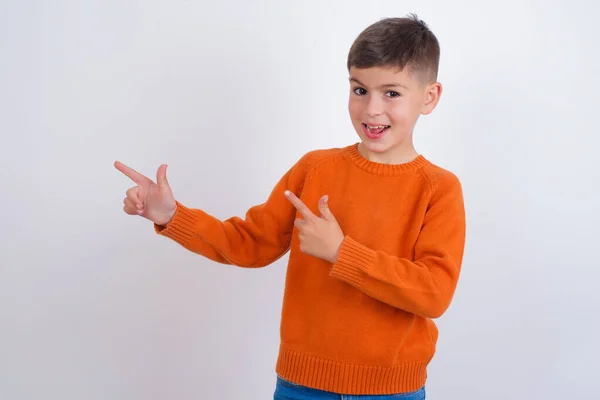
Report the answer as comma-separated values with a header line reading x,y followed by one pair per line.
x,y
95,305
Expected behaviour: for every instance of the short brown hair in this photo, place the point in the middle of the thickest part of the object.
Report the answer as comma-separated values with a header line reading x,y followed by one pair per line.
x,y
397,42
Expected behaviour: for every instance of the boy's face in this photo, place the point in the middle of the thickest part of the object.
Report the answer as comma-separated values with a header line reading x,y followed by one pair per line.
x,y
384,105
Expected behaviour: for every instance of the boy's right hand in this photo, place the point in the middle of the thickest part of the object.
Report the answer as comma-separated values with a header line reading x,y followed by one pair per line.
x,y
153,201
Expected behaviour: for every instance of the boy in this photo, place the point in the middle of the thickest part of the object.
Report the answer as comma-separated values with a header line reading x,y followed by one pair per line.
x,y
375,232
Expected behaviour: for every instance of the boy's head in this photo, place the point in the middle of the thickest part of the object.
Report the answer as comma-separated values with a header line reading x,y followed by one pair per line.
x,y
393,66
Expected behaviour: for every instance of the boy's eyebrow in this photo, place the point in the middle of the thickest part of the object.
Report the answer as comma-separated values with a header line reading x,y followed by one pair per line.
x,y
387,85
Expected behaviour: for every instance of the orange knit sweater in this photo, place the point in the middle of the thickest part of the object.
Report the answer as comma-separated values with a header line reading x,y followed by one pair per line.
x,y
364,324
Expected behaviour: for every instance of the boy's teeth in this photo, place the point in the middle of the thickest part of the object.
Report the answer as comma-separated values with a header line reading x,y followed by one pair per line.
x,y
376,127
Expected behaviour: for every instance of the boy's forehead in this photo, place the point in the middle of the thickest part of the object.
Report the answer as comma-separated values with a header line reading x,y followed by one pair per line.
x,y
381,76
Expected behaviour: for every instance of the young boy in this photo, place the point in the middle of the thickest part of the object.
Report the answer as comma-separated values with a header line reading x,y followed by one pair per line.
x,y
375,232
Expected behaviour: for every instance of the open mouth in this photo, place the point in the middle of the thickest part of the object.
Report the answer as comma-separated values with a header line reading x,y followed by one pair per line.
x,y
375,131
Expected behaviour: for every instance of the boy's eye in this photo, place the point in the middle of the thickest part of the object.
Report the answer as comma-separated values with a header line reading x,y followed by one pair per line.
x,y
391,93
360,91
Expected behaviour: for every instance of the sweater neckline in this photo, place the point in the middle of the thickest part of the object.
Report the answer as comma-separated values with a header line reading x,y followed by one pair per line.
x,y
380,168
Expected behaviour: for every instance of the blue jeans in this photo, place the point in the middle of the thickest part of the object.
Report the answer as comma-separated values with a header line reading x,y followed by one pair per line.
x,y
285,390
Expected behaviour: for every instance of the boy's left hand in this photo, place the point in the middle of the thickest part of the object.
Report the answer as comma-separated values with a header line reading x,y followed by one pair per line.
x,y
319,236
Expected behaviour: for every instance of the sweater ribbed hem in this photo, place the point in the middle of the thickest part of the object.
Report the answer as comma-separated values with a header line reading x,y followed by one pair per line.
x,y
332,376
181,227
353,261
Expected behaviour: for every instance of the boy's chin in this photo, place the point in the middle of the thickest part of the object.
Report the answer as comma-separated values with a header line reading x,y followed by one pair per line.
x,y
373,146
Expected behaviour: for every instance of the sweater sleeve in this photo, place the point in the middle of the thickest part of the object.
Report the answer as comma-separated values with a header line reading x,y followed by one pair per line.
x,y
258,239
426,284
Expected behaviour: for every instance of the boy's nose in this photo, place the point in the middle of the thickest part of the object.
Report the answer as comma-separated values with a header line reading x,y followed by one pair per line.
x,y
374,108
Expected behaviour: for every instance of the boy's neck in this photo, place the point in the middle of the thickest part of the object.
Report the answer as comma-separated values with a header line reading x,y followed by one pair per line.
x,y
397,155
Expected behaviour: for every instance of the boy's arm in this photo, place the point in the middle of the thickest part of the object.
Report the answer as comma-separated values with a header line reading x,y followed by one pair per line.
x,y
426,284
257,240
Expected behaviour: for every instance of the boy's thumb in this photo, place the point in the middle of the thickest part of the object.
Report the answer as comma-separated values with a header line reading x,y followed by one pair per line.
x,y
161,177
324,208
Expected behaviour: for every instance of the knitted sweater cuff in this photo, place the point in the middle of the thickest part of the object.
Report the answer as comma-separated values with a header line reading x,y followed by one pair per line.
x,y
353,263
181,226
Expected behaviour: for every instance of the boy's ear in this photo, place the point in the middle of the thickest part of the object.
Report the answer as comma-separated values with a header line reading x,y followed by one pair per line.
x,y
433,91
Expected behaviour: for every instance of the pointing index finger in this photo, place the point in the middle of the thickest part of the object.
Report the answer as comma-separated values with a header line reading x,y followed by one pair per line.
x,y
299,205
131,173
